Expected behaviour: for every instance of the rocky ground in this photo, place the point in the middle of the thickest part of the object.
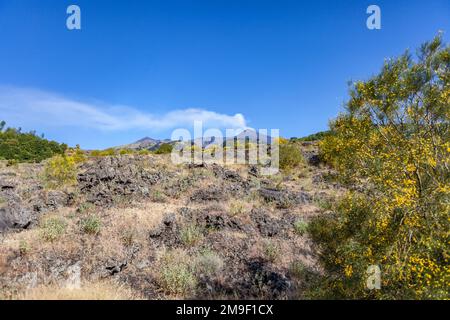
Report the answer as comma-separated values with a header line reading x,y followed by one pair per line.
x,y
138,227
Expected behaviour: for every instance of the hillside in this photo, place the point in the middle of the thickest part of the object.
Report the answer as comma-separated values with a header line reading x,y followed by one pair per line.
x,y
158,231
144,144
16,145
153,144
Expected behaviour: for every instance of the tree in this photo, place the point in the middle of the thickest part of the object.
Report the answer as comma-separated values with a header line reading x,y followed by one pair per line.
x,y
393,142
26,147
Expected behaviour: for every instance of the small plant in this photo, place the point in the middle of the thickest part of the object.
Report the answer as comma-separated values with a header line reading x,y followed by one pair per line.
x,y
237,208
2,200
190,235
95,153
300,227
176,276
91,225
297,269
159,197
271,251
285,202
12,163
125,151
53,228
105,153
60,171
85,207
144,152
208,263
324,204
24,247
127,236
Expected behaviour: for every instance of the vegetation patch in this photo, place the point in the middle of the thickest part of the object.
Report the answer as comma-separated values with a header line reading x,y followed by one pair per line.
x,y
397,220
271,250
164,148
24,247
208,263
60,171
175,274
191,234
19,146
290,156
158,196
300,227
53,228
91,225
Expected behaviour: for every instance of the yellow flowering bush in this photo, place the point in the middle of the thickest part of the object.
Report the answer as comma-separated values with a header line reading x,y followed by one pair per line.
x,y
60,171
392,149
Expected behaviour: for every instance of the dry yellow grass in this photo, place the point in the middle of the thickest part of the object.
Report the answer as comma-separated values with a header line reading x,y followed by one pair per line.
x,y
134,221
89,291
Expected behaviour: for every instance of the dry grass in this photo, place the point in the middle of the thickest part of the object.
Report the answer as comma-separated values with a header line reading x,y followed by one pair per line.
x,y
3,260
134,222
175,272
68,241
89,291
120,228
240,207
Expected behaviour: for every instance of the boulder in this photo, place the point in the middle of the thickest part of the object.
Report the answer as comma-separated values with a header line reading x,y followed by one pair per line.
x,y
107,178
284,199
211,193
18,213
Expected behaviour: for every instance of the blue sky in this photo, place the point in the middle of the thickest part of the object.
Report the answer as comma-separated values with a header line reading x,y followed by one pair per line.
x,y
142,68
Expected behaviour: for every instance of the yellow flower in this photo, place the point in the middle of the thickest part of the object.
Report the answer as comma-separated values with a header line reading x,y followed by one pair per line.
x,y
348,271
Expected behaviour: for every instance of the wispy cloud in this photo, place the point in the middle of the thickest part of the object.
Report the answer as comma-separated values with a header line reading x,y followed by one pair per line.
x,y
32,106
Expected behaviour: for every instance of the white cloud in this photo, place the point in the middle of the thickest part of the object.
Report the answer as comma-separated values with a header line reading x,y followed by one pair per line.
x,y
32,106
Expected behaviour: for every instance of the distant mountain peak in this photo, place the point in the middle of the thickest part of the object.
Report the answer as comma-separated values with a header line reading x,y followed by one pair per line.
x,y
152,144
145,139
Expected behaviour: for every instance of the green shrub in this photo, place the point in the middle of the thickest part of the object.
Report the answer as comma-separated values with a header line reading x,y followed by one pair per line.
x,y
271,251
175,275
24,247
159,197
125,151
314,137
53,228
297,269
103,153
300,227
91,225
85,207
108,152
164,148
191,234
290,156
208,263
144,152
